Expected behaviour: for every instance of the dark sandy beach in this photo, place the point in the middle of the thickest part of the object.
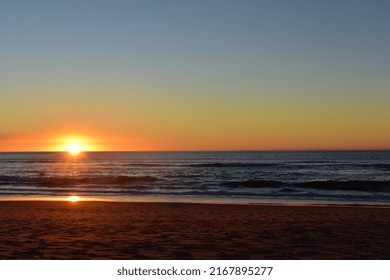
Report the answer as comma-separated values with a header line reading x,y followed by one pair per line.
x,y
109,230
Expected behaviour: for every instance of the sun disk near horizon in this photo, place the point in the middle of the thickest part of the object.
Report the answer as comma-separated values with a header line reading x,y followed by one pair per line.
x,y
75,149
74,198
74,146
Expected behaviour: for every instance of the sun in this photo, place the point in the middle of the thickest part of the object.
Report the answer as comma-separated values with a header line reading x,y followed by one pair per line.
x,y
74,149
74,198
75,146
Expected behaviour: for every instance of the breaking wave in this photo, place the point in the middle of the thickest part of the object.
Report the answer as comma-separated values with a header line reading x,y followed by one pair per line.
x,y
369,186
53,181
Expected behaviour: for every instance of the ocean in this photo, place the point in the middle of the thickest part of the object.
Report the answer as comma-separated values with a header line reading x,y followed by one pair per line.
x,y
322,177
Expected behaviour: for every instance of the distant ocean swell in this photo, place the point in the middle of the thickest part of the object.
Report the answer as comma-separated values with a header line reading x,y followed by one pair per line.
x,y
297,164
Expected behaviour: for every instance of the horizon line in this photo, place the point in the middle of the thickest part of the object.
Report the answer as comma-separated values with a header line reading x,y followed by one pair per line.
x,y
233,150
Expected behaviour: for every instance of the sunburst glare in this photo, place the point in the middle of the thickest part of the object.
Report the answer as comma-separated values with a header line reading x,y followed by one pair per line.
x,y
74,198
75,149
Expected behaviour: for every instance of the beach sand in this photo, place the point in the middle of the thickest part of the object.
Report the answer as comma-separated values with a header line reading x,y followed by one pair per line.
x,y
110,230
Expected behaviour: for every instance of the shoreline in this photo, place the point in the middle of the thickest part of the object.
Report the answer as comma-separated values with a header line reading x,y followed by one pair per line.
x,y
160,230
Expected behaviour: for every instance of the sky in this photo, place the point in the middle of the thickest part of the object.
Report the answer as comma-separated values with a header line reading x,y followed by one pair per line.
x,y
194,75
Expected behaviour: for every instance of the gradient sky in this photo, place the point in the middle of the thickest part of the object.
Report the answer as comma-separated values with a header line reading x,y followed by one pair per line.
x,y
195,75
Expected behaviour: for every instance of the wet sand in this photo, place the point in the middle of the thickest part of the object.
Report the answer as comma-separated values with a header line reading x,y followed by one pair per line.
x,y
109,230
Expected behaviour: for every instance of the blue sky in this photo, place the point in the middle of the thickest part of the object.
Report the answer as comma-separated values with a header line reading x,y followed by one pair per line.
x,y
163,41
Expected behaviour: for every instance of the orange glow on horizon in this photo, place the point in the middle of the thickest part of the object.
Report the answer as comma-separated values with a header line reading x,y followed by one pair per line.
x,y
81,140
74,145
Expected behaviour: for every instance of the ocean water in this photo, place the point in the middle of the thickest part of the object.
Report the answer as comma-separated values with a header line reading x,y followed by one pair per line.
x,y
349,177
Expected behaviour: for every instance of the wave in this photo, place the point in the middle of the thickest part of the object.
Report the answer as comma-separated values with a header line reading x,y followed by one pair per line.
x,y
381,166
254,183
144,164
53,181
355,185
232,164
370,186
213,164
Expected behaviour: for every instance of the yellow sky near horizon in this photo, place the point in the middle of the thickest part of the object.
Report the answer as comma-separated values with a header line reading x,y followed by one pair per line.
x,y
157,119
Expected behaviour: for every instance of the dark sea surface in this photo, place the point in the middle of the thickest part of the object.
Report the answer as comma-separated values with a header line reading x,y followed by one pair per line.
x,y
350,177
